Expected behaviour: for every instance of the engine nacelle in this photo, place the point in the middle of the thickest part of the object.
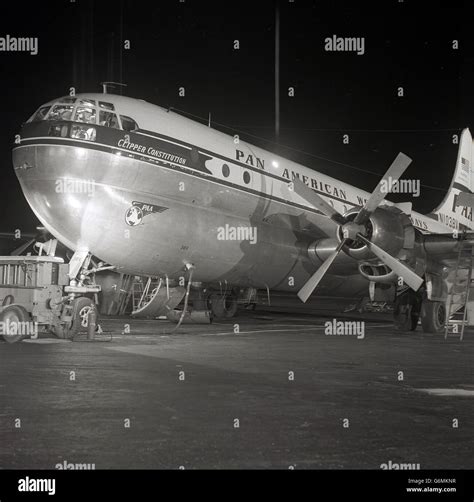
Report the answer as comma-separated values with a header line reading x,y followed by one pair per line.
x,y
377,273
389,228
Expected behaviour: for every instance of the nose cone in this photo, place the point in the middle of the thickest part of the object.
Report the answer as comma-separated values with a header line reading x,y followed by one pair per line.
x,y
61,189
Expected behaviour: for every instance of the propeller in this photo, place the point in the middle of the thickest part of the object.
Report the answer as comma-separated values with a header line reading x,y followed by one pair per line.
x,y
353,230
398,167
318,202
305,292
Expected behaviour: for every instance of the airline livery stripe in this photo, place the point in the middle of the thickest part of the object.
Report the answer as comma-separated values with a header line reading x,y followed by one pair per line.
x,y
47,140
185,170
169,139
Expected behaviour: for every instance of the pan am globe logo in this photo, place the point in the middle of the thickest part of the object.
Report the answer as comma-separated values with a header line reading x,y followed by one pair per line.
x,y
133,216
138,210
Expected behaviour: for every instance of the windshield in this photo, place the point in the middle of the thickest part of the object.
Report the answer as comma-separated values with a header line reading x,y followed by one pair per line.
x,y
85,110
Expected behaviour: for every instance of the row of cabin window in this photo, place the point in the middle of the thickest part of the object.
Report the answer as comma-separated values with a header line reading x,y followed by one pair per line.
x,y
85,112
226,174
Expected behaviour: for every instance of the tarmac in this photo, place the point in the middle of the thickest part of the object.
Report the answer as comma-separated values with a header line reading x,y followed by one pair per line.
x,y
262,390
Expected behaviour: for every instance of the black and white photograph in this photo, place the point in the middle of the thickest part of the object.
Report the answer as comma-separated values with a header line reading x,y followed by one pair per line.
x,y
237,236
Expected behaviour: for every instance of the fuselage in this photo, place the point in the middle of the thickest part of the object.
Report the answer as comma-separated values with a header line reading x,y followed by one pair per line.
x,y
155,193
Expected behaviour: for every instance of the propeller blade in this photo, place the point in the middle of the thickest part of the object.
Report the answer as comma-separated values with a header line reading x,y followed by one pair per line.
x,y
398,167
317,201
305,292
406,273
405,207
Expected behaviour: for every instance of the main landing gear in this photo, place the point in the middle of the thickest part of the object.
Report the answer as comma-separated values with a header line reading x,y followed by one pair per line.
x,y
223,306
411,306
433,316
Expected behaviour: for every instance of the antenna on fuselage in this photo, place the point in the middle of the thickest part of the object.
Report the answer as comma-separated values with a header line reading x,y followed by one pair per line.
x,y
111,84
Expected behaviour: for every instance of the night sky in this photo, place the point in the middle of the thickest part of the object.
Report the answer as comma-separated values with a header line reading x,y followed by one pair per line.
x,y
191,44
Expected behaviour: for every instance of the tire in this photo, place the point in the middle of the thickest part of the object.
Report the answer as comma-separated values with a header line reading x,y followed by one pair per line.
x,y
13,314
433,316
223,306
80,310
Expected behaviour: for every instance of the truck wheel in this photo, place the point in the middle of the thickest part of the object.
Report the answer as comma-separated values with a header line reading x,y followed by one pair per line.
x,y
13,314
433,316
80,316
223,306
8,300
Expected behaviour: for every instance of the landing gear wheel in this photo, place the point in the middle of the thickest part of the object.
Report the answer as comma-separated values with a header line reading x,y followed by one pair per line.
x,y
11,315
223,306
407,311
433,316
80,316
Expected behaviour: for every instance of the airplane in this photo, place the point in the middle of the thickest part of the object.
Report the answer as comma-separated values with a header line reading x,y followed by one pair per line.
x,y
152,193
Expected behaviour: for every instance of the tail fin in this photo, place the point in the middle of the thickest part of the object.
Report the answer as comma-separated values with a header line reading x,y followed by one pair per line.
x,y
463,181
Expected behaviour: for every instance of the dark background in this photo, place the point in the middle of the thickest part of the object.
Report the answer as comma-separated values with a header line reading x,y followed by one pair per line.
x,y
190,44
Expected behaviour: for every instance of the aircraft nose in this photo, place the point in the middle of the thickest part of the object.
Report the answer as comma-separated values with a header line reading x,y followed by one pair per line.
x,y
60,185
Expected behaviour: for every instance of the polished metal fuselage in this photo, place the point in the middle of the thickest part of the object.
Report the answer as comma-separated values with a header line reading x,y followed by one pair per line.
x,y
84,194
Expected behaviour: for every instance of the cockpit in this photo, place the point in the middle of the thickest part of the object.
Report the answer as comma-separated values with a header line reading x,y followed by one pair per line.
x,y
88,111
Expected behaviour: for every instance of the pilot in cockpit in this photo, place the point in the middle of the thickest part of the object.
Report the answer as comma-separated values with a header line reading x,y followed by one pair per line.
x,y
85,114
108,119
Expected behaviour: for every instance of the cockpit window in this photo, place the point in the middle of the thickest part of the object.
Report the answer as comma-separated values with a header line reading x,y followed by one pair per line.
x,y
40,114
108,119
61,112
67,99
87,111
128,124
88,102
85,114
106,106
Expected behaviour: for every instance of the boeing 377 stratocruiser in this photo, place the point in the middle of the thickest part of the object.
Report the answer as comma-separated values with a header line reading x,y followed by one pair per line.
x,y
153,193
